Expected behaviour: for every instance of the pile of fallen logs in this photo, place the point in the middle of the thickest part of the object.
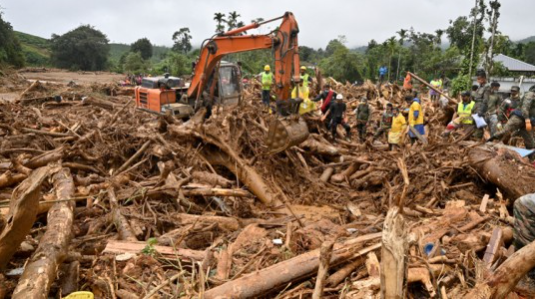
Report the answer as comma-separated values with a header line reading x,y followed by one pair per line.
x,y
98,196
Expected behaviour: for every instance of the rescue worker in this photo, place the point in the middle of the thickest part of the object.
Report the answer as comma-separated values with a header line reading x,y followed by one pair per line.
x,y
506,107
416,119
337,113
520,120
473,91
482,95
307,80
301,93
437,84
495,100
407,83
399,125
382,73
386,122
267,82
363,114
327,96
463,116
524,221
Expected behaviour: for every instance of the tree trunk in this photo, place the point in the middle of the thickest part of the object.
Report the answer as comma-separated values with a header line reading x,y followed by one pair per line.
x,y
40,272
123,227
501,167
294,269
393,253
22,213
508,274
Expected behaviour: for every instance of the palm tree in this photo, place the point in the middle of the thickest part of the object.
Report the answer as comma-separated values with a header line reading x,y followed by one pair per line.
x,y
232,20
438,37
220,19
402,36
391,46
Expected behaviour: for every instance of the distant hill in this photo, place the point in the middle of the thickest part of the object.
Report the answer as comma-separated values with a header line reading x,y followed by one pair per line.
x,y
527,40
37,50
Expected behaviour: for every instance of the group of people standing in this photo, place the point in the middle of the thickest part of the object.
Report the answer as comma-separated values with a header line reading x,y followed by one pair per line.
x,y
333,109
502,116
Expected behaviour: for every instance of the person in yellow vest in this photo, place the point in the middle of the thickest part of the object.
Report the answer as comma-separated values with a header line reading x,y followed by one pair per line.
x,y
301,92
307,80
463,115
437,84
399,125
267,81
416,119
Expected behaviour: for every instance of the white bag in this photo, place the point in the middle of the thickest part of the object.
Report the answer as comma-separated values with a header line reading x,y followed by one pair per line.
x,y
480,121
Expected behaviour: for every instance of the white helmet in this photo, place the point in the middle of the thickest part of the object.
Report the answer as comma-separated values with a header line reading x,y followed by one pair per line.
x,y
339,97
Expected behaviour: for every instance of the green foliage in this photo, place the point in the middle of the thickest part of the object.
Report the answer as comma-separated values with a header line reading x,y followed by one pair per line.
x,y
84,48
459,84
10,48
182,40
142,46
220,20
135,64
343,65
253,62
149,248
36,49
529,53
176,64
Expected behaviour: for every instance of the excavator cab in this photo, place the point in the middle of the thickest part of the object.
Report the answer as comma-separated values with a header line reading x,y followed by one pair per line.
x,y
165,94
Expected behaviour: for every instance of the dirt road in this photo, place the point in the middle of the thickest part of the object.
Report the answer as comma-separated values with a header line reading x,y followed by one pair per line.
x,y
84,78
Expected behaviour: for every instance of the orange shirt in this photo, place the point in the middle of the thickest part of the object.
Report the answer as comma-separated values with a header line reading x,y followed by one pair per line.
x,y
407,82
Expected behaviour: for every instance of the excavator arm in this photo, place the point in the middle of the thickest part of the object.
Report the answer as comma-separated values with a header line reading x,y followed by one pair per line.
x,y
283,42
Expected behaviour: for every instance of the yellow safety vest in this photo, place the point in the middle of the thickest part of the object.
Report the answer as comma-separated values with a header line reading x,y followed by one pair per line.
x,y
267,80
305,79
465,112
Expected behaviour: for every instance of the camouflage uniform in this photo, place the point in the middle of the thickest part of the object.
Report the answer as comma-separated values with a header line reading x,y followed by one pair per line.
x,y
517,119
524,223
495,100
363,113
481,98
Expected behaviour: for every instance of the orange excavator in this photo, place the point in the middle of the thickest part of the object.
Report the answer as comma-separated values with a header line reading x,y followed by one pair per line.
x,y
213,78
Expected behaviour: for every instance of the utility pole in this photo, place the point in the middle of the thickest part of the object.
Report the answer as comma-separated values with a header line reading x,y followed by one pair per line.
x,y
473,42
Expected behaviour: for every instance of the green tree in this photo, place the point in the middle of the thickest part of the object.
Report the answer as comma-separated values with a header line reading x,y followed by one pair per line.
x,y
343,65
220,20
182,40
84,48
10,49
529,53
232,21
135,64
402,36
142,46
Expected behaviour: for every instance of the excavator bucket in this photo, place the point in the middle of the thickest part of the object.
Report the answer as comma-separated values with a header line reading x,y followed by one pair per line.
x,y
286,132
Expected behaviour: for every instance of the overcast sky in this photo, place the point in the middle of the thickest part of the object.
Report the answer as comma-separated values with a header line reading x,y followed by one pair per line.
x,y
319,20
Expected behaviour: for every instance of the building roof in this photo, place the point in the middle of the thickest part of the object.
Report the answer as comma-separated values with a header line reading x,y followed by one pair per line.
x,y
514,65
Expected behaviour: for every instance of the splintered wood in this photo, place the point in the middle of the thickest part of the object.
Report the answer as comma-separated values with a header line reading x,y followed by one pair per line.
x,y
148,206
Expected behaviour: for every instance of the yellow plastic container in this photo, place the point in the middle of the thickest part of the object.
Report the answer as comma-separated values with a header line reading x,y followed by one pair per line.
x,y
80,295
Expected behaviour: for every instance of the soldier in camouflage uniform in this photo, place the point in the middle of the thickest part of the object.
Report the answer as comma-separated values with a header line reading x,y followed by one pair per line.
x,y
507,106
364,114
495,100
524,223
482,99
520,120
